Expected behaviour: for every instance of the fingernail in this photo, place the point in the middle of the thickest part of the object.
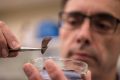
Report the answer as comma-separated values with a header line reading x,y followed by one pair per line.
x,y
4,53
50,66
27,70
15,45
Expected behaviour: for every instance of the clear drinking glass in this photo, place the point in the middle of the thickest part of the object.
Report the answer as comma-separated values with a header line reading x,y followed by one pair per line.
x,y
73,69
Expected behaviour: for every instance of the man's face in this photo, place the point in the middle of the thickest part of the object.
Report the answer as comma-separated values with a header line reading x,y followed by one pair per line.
x,y
92,43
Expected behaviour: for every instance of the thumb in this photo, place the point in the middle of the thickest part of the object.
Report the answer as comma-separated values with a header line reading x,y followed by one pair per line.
x,y
88,75
31,72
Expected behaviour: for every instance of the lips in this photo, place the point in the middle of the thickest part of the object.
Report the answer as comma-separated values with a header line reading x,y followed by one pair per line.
x,y
82,57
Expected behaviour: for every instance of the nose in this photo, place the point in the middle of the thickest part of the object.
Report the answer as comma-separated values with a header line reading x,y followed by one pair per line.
x,y
83,34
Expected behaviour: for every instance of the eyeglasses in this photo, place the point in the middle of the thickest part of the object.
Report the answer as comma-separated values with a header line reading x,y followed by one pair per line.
x,y
102,22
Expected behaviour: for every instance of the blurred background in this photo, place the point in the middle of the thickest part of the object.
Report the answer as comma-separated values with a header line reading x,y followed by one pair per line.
x,y
30,21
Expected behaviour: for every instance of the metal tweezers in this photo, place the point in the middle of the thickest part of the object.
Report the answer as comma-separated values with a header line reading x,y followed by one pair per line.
x,y
43,48
22,49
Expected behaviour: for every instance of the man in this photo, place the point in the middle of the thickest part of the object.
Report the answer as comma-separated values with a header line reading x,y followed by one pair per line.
x,y
90,32
94,30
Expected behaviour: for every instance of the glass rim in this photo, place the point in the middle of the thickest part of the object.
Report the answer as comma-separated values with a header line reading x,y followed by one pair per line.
x,y
57,58
61,59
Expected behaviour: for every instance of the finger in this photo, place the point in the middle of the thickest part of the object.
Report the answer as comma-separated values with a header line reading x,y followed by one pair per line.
x,y
10,38
88,76
13,54
4,52
31,72
3,46
54,71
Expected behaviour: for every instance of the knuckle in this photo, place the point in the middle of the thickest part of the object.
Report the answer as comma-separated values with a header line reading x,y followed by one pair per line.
x,y
3,42
0,53
2,23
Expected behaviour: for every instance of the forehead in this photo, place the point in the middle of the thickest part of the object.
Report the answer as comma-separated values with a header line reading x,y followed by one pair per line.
x,y
94,6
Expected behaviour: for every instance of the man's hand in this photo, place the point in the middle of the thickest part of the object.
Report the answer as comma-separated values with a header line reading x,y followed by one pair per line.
x,y
7,40
53,70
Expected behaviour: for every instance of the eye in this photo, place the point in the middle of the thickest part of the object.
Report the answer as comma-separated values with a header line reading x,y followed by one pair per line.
x,y
103,26
104,22
73,22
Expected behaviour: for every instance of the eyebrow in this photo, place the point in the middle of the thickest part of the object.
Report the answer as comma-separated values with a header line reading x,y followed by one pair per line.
x,y
102,14
107,15
98,13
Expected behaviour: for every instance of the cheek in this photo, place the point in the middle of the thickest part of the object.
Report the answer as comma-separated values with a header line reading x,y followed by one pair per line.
x,y
107,45
111,50
107,51
106,48
66,38
64,35
113,45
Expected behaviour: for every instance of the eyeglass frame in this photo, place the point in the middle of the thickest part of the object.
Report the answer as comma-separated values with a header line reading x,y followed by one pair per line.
x,y
91,17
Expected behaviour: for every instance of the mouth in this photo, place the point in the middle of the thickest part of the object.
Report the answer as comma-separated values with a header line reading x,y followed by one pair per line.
x,y
82,57
88,56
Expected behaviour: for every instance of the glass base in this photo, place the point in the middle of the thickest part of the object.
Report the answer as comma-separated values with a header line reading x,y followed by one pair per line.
x,y
70,74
